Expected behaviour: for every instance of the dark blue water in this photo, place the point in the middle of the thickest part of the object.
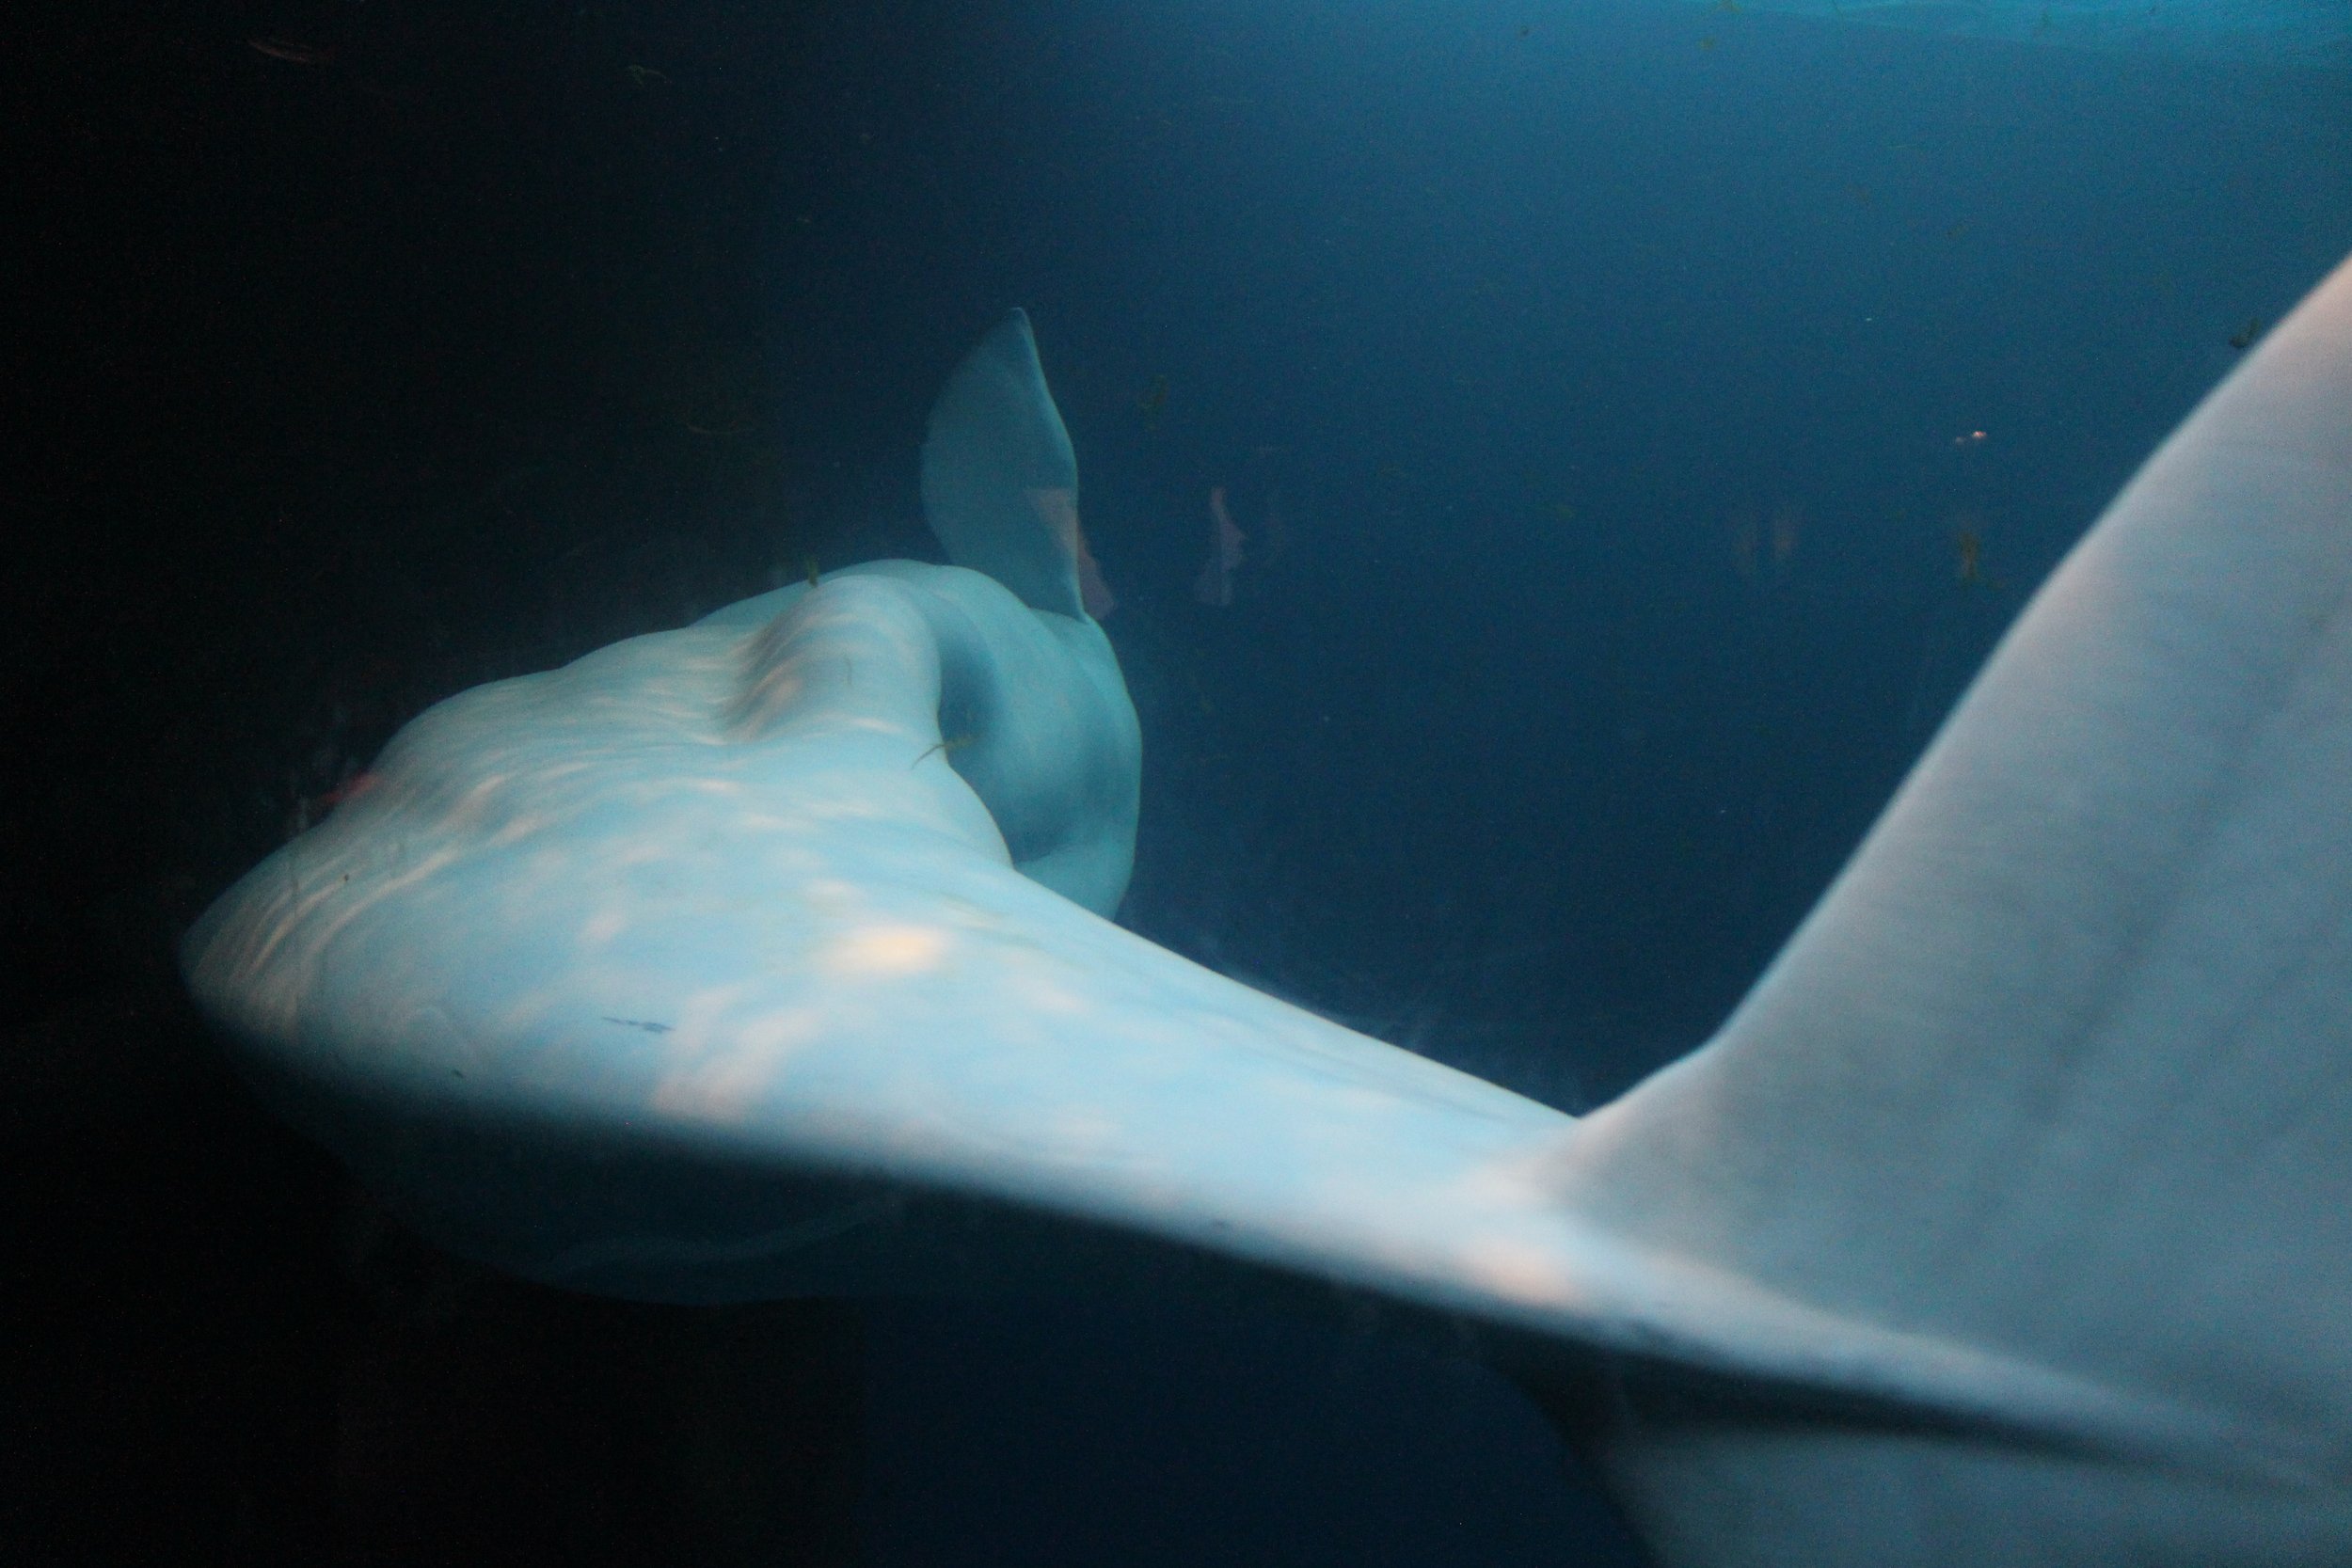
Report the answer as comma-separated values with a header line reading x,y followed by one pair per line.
x,y
1643,418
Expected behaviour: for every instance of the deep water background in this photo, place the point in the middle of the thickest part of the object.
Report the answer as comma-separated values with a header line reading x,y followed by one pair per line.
x,y
1644,417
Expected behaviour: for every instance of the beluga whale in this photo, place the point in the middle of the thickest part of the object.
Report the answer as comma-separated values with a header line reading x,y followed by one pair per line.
x,y
2007,1221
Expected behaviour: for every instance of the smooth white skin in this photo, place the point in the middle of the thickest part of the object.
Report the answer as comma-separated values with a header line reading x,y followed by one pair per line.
x,y
2061,1066
2007,1222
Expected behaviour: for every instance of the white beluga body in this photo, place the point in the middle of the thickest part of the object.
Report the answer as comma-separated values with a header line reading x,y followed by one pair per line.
x,y
2008,1221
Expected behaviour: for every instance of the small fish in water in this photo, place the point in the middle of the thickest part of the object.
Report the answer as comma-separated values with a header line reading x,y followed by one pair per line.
x,y
2245,336
1215,585
1969,438
1970,545
1706,43
1057,509
808,567
1154,398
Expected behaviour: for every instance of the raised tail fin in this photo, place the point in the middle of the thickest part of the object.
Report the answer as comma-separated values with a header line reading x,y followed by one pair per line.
x,y
1000,483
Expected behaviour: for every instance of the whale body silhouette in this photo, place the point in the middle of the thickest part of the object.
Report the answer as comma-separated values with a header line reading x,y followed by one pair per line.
x,y
2008,1220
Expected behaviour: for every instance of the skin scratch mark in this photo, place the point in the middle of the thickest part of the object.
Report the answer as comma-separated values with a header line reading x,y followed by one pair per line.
x,y
948,747
647,1027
